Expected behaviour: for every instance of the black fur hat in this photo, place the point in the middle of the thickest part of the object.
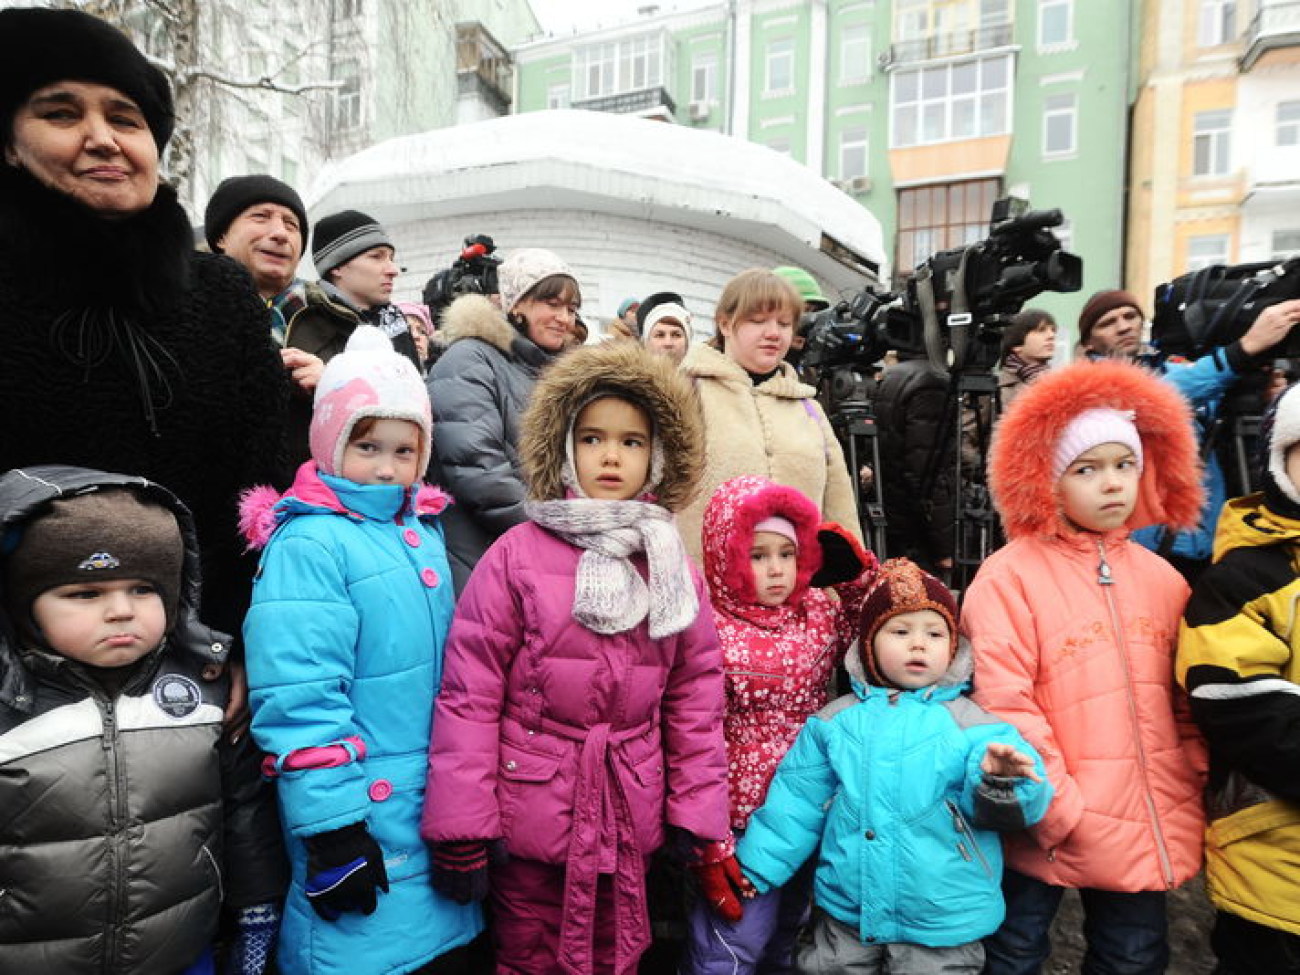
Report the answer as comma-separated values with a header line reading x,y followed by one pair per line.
x,y
40,47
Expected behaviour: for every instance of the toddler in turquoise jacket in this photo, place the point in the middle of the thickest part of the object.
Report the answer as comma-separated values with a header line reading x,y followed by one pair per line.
x,y
900,788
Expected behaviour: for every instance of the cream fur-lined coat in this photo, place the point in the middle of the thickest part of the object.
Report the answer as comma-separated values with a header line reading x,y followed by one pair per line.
x,y
776,429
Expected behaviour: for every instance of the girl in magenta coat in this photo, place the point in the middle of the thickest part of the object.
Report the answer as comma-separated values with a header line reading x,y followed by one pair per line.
x,y
581,710
781,639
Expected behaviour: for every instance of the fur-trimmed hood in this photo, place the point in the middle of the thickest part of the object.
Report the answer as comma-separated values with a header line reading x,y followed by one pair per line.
x,y
729,519
474,317
621,369
1024,444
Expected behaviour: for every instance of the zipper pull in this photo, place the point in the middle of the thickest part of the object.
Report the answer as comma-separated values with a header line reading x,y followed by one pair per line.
x,y
1104,578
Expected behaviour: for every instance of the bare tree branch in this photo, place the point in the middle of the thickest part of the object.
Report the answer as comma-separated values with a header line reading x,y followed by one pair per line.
x,y
264,83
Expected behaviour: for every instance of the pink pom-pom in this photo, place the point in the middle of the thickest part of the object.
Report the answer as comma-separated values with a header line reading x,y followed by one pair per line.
x,y
431,500
257,515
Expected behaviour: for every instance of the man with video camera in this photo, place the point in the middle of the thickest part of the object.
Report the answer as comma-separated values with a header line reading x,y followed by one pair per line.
x,y
1110,326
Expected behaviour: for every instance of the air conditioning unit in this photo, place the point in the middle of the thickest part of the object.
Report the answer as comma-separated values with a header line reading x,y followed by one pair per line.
x,y
699,111
860,184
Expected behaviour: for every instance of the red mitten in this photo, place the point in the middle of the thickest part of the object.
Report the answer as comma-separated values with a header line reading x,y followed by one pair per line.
x,y
843,557
723,885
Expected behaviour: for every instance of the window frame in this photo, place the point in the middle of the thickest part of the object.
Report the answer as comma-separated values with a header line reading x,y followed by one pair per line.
x,y
770,57
1045,43
855,35
862,144
923,106
1221,255
1217,143
1050,113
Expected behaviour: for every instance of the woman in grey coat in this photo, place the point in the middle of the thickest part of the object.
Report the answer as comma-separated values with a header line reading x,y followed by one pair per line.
x,y
480,388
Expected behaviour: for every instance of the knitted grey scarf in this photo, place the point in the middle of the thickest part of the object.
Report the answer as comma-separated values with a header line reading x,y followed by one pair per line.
x,y
610,596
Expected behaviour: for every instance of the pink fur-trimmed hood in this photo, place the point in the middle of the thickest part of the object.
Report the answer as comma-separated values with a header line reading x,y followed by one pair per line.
x,y
263,509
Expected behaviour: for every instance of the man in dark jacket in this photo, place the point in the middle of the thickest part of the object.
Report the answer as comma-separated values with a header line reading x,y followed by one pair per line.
x,y
130,823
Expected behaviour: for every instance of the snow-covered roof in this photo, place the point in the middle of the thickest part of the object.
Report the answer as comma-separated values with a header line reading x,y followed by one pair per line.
x,y
615,164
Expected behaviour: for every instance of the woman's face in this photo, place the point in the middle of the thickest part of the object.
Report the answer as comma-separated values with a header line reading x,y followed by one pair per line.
x,y
758,342
550,320
89,142
668,337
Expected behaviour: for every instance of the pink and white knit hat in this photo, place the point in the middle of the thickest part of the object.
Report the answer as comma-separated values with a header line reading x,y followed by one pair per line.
x,y
1092,428
366,379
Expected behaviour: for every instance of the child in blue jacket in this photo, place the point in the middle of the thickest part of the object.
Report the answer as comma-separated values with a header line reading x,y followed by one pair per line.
x,y
899,787
345,636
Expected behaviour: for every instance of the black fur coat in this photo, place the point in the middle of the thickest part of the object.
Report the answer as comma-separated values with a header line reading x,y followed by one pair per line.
x,y
122,349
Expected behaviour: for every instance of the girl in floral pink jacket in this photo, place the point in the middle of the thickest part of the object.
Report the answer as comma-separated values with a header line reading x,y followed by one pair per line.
x,y
782,638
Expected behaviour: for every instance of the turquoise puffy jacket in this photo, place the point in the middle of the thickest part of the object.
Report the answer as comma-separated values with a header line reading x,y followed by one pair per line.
x,y
351,608
885,786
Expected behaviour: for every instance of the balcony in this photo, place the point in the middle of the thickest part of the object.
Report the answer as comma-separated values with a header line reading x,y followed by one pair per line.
x,y
483,66
951,44
652,102
1274,26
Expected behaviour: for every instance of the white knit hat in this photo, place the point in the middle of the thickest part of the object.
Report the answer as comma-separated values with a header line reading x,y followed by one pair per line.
x,y
366,379
520,271
1091,428
1284,433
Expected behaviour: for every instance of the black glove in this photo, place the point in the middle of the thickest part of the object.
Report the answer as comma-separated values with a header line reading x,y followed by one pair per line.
x,y
460,867
843,557
345,867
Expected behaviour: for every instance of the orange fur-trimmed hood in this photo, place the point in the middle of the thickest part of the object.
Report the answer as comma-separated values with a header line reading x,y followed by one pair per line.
x,y
1020,460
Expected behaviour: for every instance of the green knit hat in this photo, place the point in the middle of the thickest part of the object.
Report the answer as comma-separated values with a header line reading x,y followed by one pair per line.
x,y
806,285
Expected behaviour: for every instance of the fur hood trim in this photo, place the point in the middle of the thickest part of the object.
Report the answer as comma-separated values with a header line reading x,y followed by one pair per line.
x,y
729,519
474,317
705,362
622,369
1024,444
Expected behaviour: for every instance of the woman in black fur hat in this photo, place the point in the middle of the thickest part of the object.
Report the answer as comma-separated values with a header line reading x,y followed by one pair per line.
x,y
120,347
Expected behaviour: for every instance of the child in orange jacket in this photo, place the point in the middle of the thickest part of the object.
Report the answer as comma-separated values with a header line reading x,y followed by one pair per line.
x,y
1074,629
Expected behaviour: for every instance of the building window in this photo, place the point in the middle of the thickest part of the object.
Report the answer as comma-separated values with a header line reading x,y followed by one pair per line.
x,y
1286,244
1288,124
855,54
704,78
779,77
1211,142
964,100
557,96
1218,22
1207,250
628,64
853,152
936,218
1060,125
1055,22
347,96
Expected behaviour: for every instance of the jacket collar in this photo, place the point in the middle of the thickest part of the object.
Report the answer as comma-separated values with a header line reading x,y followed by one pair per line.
x,y
705,362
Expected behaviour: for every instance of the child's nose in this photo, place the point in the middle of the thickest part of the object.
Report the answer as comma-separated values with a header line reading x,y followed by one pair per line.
x,y
119,606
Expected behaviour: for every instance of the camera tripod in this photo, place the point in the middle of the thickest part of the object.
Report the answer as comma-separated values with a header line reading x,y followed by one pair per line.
x,y
854,423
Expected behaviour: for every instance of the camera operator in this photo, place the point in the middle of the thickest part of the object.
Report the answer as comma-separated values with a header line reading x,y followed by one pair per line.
x,y
1110,326
912,415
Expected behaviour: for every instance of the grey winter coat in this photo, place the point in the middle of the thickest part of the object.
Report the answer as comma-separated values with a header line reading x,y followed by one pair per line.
x,y
125,822
480,388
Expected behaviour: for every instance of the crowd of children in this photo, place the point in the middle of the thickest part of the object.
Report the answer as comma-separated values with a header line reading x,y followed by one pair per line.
x,y
592,698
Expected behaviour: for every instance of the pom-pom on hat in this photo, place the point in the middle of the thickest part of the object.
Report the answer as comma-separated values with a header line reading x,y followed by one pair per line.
x,y
41,47
902,586
366,379
342,236
237,193
1103,303
99,536
523,269
1094,427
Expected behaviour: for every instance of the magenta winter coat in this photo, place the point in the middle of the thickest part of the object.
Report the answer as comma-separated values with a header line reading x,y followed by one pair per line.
x,y
577,748
778,659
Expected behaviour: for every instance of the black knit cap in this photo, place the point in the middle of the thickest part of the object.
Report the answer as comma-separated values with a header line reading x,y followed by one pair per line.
x,y
237,193
41,47
342,236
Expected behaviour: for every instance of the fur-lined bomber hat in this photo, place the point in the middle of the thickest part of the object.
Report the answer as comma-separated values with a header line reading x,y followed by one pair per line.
x,y
366,379
629,372
41,47
1023,459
